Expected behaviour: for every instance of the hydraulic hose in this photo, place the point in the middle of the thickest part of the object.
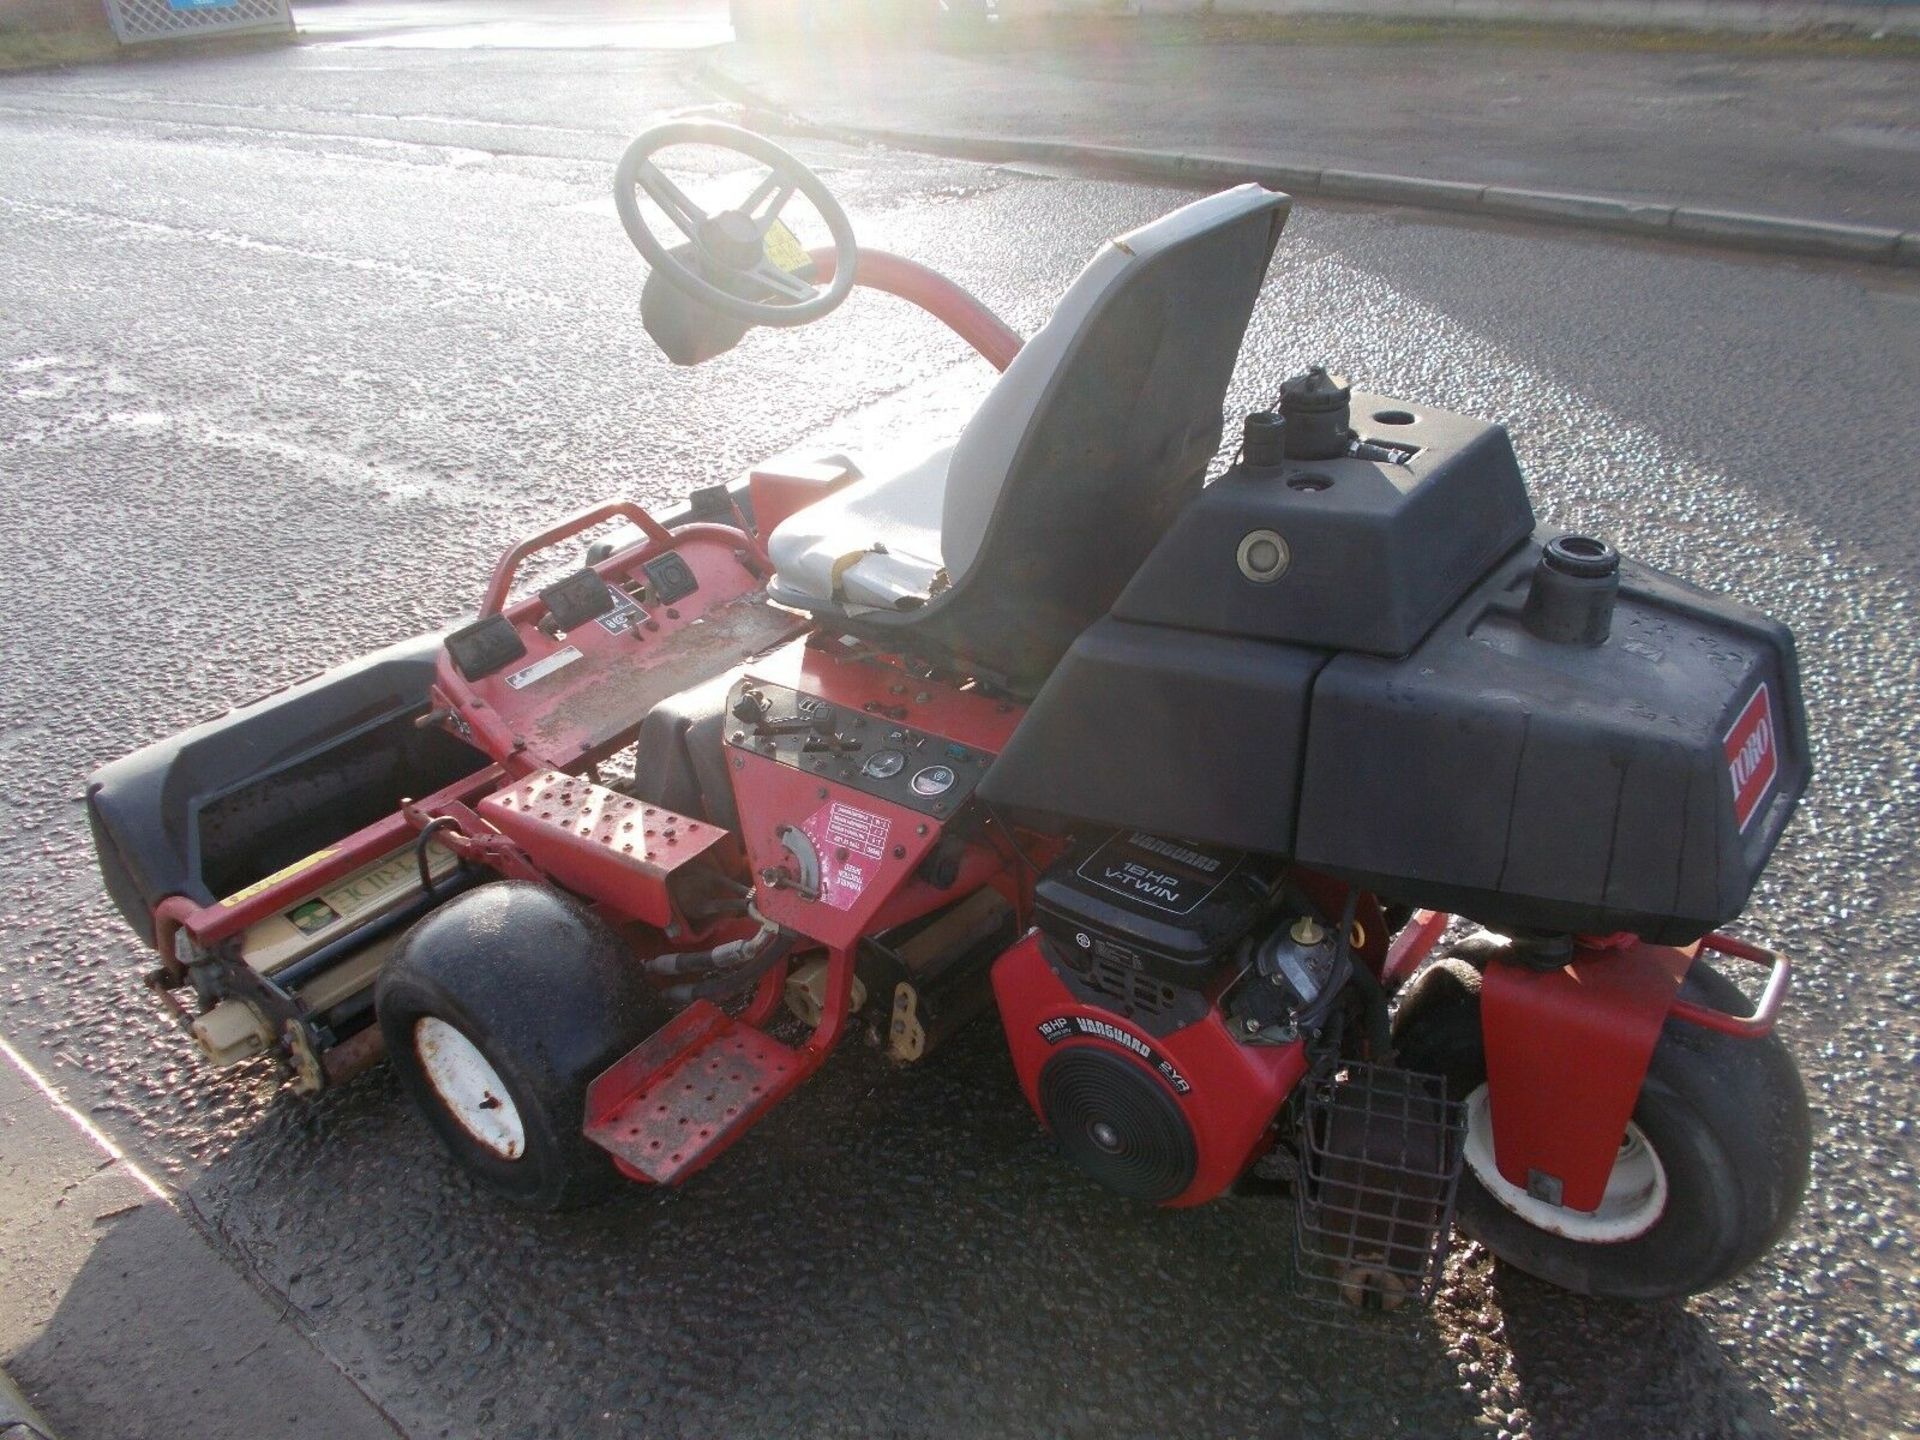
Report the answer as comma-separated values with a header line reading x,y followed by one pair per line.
x,y
763,952
727,956
1372,993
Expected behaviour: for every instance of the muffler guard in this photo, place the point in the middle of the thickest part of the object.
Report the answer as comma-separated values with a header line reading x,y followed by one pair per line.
x,y
1380,1154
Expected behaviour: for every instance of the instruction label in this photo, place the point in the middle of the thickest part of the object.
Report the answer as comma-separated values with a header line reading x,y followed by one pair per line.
x,y
852,845
626,613
858,829
540,669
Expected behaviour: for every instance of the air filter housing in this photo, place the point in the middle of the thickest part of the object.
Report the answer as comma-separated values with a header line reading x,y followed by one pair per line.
x,y
1149,902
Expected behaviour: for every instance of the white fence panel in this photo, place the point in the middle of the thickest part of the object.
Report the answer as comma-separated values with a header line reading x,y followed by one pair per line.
x,y
138,20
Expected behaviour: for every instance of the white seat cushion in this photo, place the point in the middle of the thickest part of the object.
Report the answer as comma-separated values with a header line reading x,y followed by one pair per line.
x,y
894,540
874,545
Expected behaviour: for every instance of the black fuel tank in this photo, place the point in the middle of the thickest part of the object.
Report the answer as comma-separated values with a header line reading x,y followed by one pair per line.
x,y
1362,551
1639,783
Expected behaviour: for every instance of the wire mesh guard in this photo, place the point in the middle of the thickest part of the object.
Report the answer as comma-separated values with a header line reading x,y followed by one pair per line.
x,y
1380,1154
136,20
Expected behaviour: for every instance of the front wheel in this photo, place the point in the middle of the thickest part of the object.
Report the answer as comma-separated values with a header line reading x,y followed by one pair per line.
x,y
498,1011
1710,1170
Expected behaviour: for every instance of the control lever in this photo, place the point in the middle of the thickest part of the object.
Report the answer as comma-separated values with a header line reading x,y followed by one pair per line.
x,y
819,723
815,725
839,744
751,707
751,710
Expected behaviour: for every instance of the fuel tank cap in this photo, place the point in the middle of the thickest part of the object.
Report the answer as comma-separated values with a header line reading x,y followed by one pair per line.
x,y
1317,407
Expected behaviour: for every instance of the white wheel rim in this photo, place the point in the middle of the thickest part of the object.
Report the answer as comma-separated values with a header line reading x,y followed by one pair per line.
x,y
469,1087
1635,1198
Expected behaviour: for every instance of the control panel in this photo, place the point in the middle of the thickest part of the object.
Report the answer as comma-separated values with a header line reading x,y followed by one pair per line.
x,y
864,750
565,677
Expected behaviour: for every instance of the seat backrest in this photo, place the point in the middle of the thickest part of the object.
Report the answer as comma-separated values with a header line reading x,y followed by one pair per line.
x,y
1100,430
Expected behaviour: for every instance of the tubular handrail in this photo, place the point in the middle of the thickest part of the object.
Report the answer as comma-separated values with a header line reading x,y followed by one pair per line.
x,y
1746,1027
504,573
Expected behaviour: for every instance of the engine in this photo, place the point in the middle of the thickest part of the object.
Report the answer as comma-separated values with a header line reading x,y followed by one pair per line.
x,y
1158,1014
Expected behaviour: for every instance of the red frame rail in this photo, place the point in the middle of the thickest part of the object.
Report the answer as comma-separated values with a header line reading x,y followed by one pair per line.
x,y
1765,1013
233,915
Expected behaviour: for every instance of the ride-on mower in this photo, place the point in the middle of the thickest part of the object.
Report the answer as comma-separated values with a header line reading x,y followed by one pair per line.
x,y
1322,822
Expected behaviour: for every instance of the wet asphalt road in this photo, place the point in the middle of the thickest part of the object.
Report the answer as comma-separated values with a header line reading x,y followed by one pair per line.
x,y
291,345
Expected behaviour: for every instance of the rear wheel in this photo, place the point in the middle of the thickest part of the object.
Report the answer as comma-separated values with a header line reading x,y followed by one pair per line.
x,y
498,1011
1710,1170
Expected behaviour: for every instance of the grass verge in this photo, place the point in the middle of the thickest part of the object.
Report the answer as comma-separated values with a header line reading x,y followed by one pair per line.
x,y
22,49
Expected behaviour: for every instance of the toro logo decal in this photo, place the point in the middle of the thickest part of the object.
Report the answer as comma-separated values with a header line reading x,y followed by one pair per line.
x,y
1753,755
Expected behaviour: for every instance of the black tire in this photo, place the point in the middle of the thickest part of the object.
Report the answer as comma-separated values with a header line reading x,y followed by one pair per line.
x,y
550,998
1727,1118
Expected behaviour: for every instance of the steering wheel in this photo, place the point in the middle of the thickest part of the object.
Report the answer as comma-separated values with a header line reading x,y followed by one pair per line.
x,y
727,254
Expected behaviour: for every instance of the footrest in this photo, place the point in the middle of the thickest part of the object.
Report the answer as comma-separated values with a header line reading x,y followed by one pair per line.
x,y
672,1104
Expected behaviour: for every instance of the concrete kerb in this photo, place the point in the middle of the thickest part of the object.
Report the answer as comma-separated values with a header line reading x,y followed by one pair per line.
x,y
1766,234
1864,242
18,1419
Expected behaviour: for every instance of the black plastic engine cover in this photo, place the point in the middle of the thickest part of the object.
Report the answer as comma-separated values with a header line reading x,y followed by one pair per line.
x,y
1639,784
1167,731
1326,660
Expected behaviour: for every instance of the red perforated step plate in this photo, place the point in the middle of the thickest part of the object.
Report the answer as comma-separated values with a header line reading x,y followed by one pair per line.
x,y
672,1104
599,842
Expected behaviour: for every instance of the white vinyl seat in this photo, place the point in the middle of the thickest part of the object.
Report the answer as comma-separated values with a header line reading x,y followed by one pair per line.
x,y
895,510
1067,472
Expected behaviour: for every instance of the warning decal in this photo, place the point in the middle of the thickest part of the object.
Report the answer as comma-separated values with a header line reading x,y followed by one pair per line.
x,y
542,668
852,844
784,249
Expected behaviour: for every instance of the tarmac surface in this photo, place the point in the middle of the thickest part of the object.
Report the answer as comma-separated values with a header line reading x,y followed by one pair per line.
x,y
292,344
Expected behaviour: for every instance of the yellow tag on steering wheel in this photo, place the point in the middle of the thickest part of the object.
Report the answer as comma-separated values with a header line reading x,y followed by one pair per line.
x,y
784,249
